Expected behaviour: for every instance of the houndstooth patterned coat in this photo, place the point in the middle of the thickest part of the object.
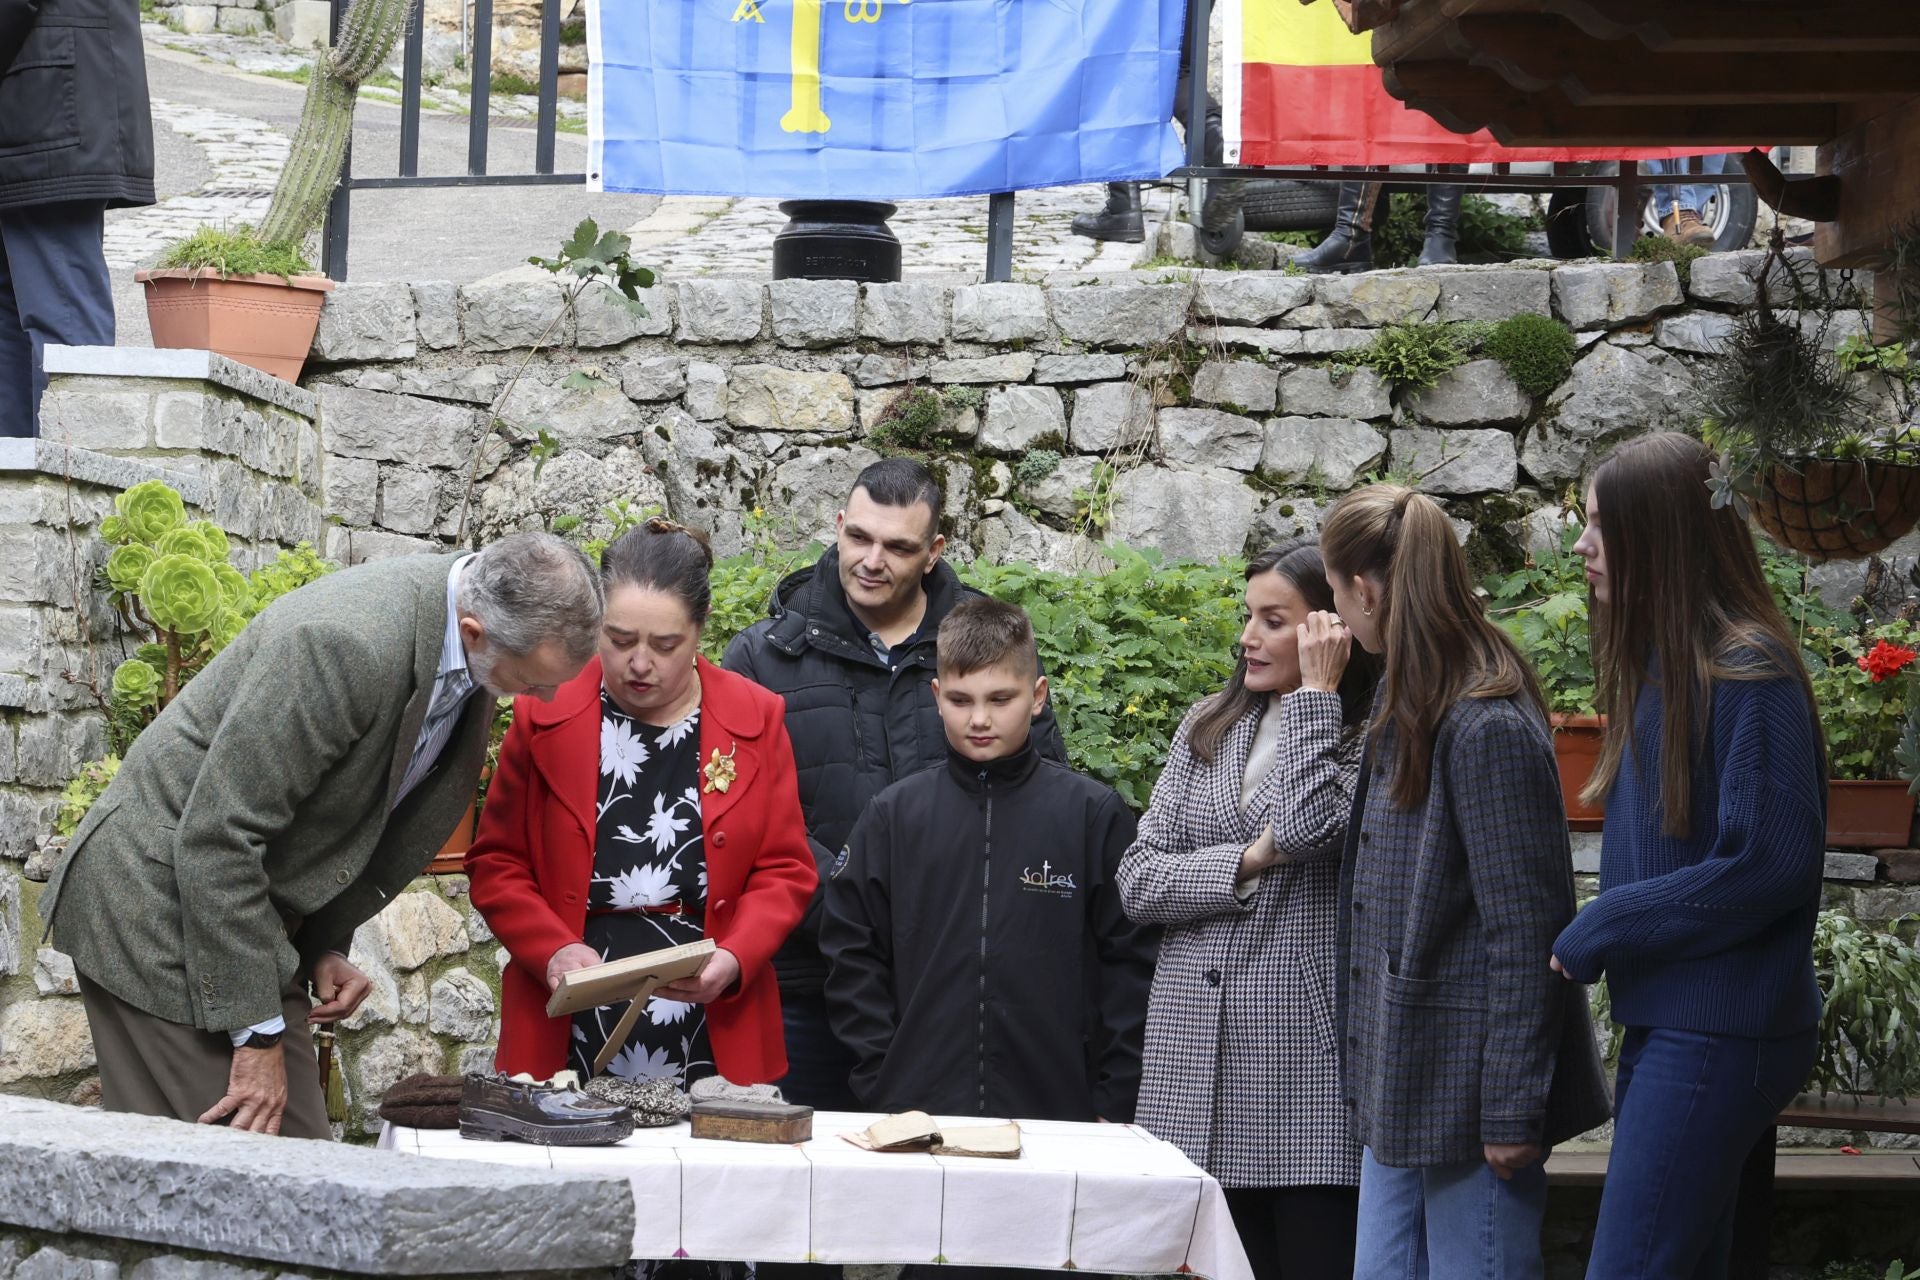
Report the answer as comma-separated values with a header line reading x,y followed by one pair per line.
x,y
1241,1070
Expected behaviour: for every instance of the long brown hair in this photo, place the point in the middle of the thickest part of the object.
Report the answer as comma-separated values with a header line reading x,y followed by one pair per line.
x,y
1687,605
1298,561
1440,646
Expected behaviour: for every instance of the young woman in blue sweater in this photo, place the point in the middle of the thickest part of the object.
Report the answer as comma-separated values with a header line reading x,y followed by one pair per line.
x,y
1713,774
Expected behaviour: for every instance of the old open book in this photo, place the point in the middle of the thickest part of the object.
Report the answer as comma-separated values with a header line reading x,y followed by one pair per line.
x,y
917,1131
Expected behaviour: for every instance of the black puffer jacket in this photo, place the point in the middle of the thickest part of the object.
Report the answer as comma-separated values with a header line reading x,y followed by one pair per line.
x,y
856,727
75,123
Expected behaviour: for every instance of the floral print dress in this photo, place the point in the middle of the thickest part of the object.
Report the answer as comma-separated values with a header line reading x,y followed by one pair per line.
x,y
649,862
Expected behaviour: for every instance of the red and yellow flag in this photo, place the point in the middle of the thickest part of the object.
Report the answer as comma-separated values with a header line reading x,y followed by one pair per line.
x,y
1303,90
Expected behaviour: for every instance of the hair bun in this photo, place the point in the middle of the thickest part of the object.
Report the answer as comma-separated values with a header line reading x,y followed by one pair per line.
x,y
662,525
1405,497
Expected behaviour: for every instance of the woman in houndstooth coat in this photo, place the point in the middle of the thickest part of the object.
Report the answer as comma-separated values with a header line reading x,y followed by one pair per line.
x,y
1238,858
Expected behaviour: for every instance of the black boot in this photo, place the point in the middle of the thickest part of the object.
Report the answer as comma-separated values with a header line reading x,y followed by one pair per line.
x,y
1443,226
1350,245
1120,220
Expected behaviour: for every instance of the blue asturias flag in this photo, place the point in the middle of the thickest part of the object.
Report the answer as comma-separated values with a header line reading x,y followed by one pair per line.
x,y
879,99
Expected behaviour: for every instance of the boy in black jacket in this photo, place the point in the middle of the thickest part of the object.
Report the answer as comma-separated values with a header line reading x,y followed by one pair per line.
x,y
979,960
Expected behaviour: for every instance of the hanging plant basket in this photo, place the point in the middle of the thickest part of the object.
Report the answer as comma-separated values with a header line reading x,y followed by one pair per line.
x,y
1827,509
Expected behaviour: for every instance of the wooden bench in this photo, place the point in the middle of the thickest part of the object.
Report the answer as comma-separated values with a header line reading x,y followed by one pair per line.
x,y
1800,1170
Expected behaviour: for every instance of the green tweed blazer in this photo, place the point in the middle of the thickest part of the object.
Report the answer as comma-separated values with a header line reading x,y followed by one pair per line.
x,y
252,826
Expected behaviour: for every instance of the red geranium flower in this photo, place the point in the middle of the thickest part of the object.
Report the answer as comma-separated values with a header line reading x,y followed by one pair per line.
x,y
1885,659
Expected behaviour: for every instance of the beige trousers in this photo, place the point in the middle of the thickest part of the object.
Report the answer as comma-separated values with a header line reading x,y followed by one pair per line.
x,y
152,1067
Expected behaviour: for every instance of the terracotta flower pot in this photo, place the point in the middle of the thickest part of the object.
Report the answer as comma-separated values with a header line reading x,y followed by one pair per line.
x,y
1576,745
1833,510
452,858
1868,815
262,321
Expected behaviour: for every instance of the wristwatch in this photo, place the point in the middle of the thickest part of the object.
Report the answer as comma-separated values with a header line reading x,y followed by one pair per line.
x,y
260,1040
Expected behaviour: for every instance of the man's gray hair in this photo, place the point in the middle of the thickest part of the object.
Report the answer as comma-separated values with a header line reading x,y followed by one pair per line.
x,y
529,588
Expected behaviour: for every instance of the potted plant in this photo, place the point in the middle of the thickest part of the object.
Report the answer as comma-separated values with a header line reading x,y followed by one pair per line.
x,y
1543,607
1860,685
248,293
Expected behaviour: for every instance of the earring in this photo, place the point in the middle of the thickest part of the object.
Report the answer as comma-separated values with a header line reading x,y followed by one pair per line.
x,y
1367,612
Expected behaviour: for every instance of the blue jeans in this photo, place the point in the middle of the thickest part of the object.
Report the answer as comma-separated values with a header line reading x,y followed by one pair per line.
x,y
1688,1108
54,288
818,1065
1453,1222
1692,195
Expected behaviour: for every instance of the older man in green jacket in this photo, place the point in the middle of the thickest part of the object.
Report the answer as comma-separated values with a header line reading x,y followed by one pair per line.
x,y
294,787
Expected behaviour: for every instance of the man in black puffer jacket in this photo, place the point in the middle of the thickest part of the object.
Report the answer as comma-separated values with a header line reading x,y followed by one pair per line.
x,y
849,644
76,139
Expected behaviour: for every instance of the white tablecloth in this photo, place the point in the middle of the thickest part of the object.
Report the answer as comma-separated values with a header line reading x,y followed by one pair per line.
x,y
1094,1197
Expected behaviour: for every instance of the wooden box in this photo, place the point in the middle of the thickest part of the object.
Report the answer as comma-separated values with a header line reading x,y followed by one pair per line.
x,y
752,1121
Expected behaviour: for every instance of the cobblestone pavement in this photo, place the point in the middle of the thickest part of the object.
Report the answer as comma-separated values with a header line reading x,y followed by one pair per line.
x,y
245,156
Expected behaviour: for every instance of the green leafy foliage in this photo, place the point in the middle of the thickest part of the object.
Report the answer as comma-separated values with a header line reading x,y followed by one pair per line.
x,y
1543,606
236,251
1035,467
1415,355
1536,351
590,255
1863,717
913,420
81,791
1655,248
1870,1023
1860,354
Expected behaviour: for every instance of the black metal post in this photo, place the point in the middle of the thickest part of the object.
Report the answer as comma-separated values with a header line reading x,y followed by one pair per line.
x,y
480,101
1626,206
549,87
411,74
1000,237
333,232
1197,20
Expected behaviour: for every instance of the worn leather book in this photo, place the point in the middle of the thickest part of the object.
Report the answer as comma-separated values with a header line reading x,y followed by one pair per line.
x,y
994,1141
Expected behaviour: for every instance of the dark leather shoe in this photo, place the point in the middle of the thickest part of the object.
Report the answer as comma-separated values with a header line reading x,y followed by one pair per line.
x,y
1121,220
494,1108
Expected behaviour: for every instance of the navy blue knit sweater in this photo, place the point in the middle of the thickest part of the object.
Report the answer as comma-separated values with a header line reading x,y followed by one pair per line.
x,y
1713,933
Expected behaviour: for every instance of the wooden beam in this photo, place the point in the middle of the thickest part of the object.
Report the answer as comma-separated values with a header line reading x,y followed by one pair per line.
x,y
1746,26
1878,164
1540,51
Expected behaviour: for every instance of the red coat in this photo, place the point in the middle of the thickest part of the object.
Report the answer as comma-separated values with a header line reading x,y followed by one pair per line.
x,y
534,856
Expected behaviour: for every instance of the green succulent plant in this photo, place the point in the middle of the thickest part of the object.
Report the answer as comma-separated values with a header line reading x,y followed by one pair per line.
x,y
128,565
136,683
181,594
151,509
184,541
114,530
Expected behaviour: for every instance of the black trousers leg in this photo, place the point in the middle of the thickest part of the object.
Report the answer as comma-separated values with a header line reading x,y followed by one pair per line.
x,y
1296,1233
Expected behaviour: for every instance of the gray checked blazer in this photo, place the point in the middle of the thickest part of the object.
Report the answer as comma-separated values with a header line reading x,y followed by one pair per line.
x,y
1457,1031
1241,1071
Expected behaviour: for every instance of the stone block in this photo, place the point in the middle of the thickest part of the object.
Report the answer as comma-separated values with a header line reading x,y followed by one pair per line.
x,y
1602,295
1001,313
181,420
1242,383
1110,415
240,22
12,949
1552,457
1284,342
1903,865
1054,492
53,747
1700,333
40,1039
719,310
1320,393
653,378
1207,437
409,500
420,926
36,565
367,322
513,315
815,484
1456,462
350,489
1121,315
1334,452
1074,369
53,973
603,317
53,1263
1016,367
1493,295
1850,866
886,371
814,313
172,1267
902,313
109,421
1731,279
196,19
461,1006
1286,518
770,398
303,24
1018,418
1186,515
1331,342
1008,536
1614,392
1243,298
436,303
1368,299
1478,393
396,428
707,392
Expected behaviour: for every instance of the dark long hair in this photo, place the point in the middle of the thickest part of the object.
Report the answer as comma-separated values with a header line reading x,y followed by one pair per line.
x,y
1298,561
1688,605
1440,646
663,556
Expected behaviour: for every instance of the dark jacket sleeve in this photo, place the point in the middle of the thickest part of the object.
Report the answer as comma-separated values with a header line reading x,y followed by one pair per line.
x,y
1126,953
856,935
16,20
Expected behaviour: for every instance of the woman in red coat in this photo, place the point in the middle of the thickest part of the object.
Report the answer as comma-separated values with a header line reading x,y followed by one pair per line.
x,y
653,802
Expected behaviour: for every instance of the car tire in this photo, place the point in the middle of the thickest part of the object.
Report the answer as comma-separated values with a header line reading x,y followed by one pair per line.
x,y
1290,206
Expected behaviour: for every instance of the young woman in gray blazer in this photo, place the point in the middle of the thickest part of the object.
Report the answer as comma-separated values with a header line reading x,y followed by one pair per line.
x,y
1238,858
1465,1057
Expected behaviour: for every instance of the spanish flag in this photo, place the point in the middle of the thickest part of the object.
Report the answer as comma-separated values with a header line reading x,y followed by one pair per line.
x,y
1303,90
